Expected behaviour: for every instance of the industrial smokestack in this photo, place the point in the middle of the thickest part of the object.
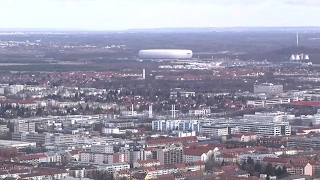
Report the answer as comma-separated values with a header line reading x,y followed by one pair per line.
x,y
150,111
297,38
144,74
292,58
132,110
306,57
173,111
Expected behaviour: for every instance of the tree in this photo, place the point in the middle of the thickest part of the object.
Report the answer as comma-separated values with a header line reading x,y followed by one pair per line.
x,y
257,167
237,163
269,170
87,107
311,124
39,112
278,171
222,163
243,165
250,161
284,171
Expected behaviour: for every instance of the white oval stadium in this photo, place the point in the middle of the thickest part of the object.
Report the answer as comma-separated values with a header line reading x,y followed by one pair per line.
x,y
165,54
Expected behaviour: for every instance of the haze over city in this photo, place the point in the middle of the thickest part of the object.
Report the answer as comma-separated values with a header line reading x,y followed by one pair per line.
x,y
132,14
159,90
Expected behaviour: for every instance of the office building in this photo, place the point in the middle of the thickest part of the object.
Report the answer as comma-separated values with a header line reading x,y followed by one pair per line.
x,y
262,128
102,148
268,88
181,125
218,130
24,127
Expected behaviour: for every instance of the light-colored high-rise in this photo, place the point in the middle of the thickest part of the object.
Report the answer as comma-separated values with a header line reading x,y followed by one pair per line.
x,y
268,88
168,154
24,127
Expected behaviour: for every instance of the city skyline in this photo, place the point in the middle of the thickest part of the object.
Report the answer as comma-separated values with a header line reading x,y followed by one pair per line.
x,y
141,14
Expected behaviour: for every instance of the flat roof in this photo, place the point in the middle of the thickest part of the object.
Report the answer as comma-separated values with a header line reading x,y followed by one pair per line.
x,y
14,143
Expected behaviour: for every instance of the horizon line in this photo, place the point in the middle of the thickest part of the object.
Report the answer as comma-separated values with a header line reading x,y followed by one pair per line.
x,y
150,29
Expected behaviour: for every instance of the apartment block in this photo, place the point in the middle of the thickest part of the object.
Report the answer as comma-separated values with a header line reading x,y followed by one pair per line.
x,y
105,158
305,142
101,148
168,154
135,155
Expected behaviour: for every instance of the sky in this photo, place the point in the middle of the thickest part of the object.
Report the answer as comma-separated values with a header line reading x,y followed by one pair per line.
x,y
141,14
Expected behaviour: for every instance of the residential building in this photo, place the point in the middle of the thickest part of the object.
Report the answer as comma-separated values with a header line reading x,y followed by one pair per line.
x,y
135,155
110,130
4,129
305,142
146,163
102,148
168,154
33,159
114,167
106,158
257,158
193,155
245,137
169,141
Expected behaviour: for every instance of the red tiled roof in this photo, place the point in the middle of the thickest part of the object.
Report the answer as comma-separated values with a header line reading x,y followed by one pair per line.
x,y
238,178
74,152
194,152
237,150
166,177
31,156
192,173
259,148
309,128
171,140
123,172
230,168
196,163
306,103
276,160
180,165
228,156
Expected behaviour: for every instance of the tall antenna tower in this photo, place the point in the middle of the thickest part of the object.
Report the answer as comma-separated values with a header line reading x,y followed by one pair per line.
x,y
297,38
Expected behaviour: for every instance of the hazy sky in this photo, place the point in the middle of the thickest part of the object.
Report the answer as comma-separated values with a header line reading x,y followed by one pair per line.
x,y
127,14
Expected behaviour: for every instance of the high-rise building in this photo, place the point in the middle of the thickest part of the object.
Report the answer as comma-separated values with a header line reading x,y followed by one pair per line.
x,y
168,154
181,125
102,148
24,127
262,128
135,155
268,88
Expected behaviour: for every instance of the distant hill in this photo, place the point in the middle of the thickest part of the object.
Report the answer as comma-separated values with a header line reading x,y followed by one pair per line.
x,y
228,29
284,54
